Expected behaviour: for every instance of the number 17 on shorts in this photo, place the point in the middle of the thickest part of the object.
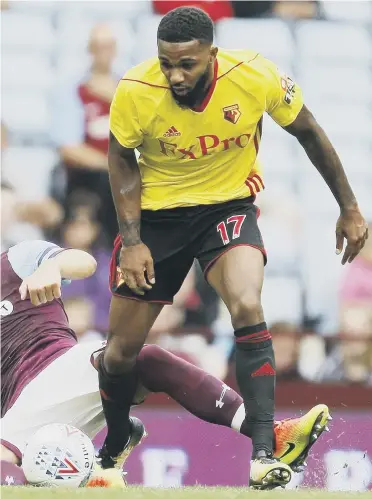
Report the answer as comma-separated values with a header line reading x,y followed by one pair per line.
x,y
236,222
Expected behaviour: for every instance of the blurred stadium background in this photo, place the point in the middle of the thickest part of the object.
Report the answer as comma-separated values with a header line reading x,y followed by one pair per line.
x,y
60,63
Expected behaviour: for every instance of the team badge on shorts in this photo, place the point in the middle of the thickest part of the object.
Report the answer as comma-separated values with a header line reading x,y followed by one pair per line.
x,y
232,113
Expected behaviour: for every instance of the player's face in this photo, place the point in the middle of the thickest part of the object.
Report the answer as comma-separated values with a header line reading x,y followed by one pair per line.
x,y
188,68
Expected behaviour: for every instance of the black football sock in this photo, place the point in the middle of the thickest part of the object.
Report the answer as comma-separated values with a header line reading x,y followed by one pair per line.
x,y
117,394
255,374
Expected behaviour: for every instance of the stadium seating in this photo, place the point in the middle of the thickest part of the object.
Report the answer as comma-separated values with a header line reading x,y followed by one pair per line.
x,y
129,11
362,190
289,307
348,120
329,84
321,270
39,7
31,71
146,36
334,43
359,12
276,156
23,164
27,32
356,158
45,42
272,131
72,57
74,32
282,244
71,68
27,115
240,33
314,193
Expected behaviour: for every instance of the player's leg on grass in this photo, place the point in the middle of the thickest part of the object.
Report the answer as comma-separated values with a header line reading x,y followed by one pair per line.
x,y
209,399
129,323
237,276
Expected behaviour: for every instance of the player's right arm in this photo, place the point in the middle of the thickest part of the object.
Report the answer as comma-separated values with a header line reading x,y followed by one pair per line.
x,y
125,179
43,266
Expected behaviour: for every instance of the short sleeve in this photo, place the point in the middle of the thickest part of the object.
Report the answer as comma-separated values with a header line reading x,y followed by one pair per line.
x,y
124,122
27,256
284,98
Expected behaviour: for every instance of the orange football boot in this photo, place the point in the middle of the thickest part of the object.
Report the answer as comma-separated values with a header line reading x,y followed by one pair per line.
x,y
295,437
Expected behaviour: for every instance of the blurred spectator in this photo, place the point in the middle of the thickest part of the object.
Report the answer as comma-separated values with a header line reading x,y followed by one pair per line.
x,y
197,326
252,9
172,333
172,317
82,230
216,9
23,218
81,127
203,304
219,9
287,10
296,9
312,357
8,217
80,313
350,355
356,316
280,223
286,341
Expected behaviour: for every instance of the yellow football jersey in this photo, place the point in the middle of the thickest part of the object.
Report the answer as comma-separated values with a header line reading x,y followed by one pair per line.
x,y
206,155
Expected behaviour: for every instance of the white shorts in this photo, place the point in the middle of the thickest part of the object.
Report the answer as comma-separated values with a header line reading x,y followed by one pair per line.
x,y
64,392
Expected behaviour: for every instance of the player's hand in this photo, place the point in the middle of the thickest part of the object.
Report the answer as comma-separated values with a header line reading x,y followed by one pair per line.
x,y
137,267
352,227
43,285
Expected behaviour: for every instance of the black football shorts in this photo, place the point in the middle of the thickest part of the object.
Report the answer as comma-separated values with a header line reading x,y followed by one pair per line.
x,y
177,236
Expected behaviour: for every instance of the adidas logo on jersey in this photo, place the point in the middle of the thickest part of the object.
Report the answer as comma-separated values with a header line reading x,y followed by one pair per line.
x,y
172,132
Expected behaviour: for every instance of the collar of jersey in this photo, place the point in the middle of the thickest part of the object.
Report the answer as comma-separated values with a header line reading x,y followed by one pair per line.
x,y
207,98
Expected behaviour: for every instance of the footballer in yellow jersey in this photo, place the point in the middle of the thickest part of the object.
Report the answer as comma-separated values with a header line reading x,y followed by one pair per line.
x,y
195,115
207,154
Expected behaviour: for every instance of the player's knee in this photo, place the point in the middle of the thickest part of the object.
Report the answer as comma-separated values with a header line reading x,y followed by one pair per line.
x,y
117,363
149,356
150,352
120,356
247,310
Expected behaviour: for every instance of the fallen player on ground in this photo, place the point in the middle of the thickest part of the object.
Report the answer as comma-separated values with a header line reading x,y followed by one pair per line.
x,y
47,377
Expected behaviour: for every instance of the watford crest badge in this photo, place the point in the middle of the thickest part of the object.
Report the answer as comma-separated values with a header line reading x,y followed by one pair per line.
x,y
232,113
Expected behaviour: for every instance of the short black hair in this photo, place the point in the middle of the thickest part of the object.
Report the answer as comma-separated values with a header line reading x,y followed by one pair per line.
x,y
184,24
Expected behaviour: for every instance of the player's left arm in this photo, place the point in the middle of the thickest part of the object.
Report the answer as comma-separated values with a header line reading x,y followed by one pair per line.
x,y
43,266
44,284
350,224
284,103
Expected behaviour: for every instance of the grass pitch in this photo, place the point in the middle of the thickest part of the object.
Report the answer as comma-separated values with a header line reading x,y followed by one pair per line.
x,y
182,493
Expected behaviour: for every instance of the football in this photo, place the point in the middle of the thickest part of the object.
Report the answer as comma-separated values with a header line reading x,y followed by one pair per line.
x,y
58,455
